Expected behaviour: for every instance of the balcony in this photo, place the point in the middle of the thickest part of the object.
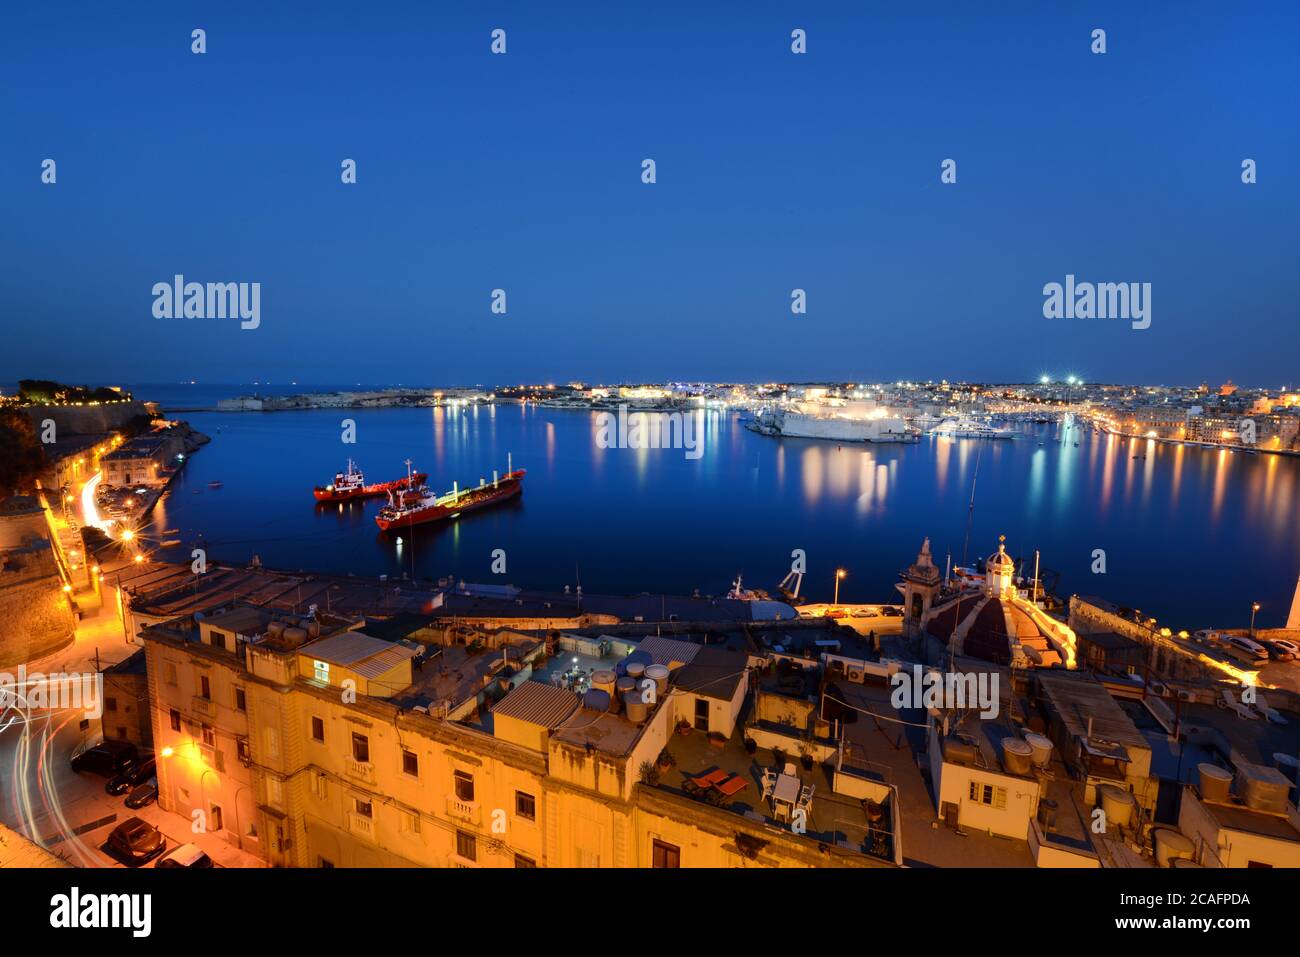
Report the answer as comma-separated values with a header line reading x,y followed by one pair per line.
x,y
362,771
462,810
360,824
203,706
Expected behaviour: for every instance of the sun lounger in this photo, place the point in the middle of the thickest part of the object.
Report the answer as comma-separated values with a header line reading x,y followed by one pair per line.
x,y
705,781
1263,708
732,786
1230,701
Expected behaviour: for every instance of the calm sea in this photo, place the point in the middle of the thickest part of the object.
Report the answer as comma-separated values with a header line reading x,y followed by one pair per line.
x,y
1190,536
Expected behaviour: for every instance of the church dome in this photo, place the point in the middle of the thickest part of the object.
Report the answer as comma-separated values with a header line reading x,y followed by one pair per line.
x,y
1000,562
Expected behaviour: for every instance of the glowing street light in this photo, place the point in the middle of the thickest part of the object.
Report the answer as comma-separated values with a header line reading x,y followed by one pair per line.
x,y
1253,608
839,575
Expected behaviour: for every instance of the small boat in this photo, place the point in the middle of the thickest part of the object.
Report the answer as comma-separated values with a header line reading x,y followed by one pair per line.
x,y
171,543
215,484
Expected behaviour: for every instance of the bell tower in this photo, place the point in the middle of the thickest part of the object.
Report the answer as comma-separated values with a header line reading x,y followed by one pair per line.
x,y
920,585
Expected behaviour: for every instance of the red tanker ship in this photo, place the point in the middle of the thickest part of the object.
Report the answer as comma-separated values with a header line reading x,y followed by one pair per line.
x,y
409,507
351,484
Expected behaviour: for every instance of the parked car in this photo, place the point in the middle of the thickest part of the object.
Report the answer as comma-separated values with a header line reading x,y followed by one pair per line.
x,y
187,855
106,758
136,842
1246,649
143,794
136,773
1280,649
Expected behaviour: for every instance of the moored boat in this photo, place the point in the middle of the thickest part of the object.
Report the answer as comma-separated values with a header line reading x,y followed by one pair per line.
x,y
351,484
408,507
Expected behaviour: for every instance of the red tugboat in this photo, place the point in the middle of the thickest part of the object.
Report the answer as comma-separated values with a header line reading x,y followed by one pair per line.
x,y
410,507
352,485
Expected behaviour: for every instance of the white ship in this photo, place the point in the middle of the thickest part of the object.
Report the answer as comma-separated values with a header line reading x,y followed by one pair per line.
x,y
968,429
836,423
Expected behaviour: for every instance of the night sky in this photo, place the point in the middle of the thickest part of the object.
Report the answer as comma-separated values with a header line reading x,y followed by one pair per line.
x,y
775,171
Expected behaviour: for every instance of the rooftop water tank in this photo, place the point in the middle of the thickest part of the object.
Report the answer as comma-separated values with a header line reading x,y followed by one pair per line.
x,y
635,670
1170,845
659,675
295,636
275,629
1215,782
1016,756
958,752
1262,788
1118,805
636,709
639,657
596,700
1040,747
604,680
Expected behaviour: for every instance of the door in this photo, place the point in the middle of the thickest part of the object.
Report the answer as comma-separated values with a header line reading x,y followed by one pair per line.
x,y
701,714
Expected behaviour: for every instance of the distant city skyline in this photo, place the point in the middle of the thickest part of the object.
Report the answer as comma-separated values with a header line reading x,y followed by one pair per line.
x,y
775,171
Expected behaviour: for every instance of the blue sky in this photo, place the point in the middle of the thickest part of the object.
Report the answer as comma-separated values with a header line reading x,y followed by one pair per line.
x,y
775,172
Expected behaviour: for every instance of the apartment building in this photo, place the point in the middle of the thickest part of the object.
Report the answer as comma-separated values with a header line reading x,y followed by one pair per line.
x,y
314,744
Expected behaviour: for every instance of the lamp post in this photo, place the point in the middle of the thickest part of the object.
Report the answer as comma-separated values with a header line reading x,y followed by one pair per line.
x,y
839,574
1253,608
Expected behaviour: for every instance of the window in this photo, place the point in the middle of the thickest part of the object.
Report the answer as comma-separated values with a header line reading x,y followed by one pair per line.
x,y
110,704
988,794
467,846
241,703
410,763
525,806
521,861
176,719
364,807
241,750
219,639
322,784
209,736
464,785
214,819
321,671
205,687
360,748
317,729
665,855
410,822
169,673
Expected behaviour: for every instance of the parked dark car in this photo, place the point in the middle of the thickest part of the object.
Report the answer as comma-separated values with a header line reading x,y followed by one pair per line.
x,y
187,855
143,794
136,773
136,842
106,758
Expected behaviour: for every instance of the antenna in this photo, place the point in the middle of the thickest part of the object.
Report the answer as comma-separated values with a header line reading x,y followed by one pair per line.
x,y
970,515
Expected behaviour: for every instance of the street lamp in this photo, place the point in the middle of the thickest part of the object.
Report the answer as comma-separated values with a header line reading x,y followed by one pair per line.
x,y
1253,608
839,574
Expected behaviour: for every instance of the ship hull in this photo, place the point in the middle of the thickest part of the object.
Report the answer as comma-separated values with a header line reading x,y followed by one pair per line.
x,y
469,501
329,495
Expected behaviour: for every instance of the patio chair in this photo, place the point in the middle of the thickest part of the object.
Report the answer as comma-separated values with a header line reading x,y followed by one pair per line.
x,y
769,782
790,770
705,781
806,796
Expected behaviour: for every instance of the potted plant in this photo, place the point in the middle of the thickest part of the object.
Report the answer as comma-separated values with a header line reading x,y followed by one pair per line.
x,y
683,727
649,774
806,758
750,745
665,761
778,757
